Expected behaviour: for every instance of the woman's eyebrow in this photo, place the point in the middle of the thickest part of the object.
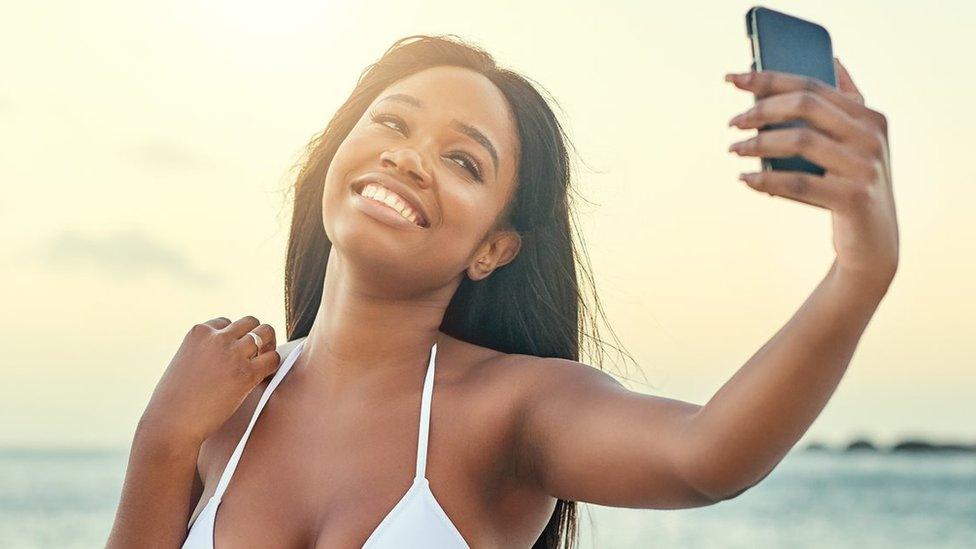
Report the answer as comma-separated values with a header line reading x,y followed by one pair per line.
x,y
466,129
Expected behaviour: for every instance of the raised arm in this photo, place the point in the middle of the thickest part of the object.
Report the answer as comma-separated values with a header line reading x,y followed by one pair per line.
x,y
213,371
584,437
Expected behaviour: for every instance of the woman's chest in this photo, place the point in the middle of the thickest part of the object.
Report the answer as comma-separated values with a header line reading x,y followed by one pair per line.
x,y
330,479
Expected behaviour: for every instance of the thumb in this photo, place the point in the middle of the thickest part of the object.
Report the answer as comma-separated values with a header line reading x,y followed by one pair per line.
x,y
845,83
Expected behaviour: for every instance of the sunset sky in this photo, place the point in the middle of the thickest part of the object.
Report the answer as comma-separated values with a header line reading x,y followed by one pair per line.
x,y
146,148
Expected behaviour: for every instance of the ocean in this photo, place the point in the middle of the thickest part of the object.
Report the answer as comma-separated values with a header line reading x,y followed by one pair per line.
x,y
67,499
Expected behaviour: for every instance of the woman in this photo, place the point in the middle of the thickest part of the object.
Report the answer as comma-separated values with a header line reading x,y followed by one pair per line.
x,y
431,228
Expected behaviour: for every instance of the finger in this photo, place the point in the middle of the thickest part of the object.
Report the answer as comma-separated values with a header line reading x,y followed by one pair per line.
x,y
766,83
268,337
827,191
266,363
218,323
808,143
248,346
270,342
242,326
845,83
804,105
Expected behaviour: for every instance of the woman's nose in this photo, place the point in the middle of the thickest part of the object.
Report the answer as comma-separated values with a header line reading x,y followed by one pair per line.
x,y
407,160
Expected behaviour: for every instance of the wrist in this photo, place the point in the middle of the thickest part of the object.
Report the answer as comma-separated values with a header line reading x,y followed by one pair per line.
x,y
873,284
159,437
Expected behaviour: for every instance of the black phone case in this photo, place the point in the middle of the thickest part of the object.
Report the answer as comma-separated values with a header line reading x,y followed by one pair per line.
x,y
781,42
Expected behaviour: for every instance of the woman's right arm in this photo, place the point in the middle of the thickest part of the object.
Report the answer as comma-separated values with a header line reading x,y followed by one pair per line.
x,y
206,382
161,485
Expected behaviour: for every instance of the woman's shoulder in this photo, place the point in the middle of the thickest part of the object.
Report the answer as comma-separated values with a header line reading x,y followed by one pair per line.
x,y
509,379
519,366
524,378
217,448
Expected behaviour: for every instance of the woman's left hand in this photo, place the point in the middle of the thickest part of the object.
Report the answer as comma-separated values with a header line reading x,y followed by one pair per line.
x,y
846,138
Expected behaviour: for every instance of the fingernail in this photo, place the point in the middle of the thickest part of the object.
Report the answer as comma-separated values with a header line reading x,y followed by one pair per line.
x,y
735,120
748,177
734,147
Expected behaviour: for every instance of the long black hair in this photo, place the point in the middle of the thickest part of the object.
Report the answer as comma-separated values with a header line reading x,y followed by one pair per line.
x,y
533,305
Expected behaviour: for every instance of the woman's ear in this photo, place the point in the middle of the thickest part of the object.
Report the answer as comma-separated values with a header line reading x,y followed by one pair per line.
x,y
500,251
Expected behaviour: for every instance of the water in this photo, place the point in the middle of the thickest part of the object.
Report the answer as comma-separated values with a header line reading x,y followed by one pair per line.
x,y
818,500
58,498
67,499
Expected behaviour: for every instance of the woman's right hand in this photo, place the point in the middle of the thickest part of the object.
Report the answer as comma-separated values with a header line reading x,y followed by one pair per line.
x,y
208,379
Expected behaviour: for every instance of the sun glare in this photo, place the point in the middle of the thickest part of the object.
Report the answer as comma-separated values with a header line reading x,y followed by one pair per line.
x,y
266,18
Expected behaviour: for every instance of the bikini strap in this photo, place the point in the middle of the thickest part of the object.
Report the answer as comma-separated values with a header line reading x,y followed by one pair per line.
x,y
236,456
425,415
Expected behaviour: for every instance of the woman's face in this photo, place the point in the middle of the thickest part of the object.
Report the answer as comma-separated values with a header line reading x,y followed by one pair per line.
x,y
443,139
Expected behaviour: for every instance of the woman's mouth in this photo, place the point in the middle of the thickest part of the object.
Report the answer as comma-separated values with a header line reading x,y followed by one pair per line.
x,y
386,197
386,207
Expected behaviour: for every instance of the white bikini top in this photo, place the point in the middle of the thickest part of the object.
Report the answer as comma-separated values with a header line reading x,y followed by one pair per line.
x,y
416,521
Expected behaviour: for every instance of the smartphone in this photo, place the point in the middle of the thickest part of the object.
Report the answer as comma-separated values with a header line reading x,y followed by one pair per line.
x,y
785,43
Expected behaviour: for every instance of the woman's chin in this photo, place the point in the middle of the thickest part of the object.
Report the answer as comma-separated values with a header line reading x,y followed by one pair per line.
x,y
374,240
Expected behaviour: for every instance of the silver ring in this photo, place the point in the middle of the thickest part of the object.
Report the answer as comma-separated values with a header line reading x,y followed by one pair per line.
x,y
257,341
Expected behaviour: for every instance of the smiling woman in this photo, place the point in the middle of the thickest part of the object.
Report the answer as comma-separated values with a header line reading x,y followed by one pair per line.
x,y
477,151
430,393
432,218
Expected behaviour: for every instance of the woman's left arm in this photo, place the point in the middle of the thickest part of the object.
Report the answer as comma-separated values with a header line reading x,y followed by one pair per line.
x,y
759,414
584,437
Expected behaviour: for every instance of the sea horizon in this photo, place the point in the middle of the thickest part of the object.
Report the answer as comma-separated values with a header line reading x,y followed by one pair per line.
x,y
56,497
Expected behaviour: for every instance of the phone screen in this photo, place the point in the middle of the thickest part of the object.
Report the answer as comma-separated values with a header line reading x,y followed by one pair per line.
x,y
785,43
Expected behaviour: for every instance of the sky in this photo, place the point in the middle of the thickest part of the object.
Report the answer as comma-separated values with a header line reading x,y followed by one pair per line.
x,y
146,147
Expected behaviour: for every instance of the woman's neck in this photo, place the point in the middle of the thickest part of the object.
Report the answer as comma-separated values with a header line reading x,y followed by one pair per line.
x,y
367,334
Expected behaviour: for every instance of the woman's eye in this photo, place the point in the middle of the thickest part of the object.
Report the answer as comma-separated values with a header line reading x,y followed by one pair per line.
x,y
387,120
469,165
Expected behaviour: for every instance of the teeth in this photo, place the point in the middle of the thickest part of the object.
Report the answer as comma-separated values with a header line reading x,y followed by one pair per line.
x,y
391,199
